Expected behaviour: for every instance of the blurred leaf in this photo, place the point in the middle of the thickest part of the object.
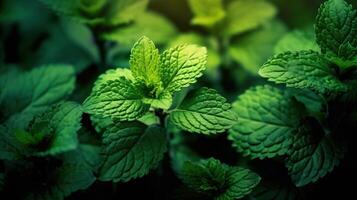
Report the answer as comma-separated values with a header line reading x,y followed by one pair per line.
x,y
296,41
146,24
245,15
253,49
35,90
274,191
207,12
218,180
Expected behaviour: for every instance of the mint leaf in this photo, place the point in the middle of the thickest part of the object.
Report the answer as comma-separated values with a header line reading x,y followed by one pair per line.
x,y
131,150
36,90
144,62
312,157
207,13
116,98
204,111
65,180
65,122
268,118
181,66
303,69
245,15
218,180
296,41
336,29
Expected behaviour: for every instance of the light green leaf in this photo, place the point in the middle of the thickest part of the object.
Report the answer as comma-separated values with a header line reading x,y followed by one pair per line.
x,y
213,58
336,28
131,150
36,90
296,41
268,118
116,98
65,180
144,62
121,12
253,49
245,15
146,24
204,111
218,180
303,69
206,12
181,66
312,157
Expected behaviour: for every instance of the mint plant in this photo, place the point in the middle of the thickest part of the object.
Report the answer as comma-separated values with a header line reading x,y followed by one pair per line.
x,y
132,147
38,138
301,124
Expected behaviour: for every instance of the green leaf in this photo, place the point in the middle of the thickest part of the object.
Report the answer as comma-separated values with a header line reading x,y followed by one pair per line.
x,y
181,66
65,123
145,24
144,62
206,12
268,118
36,90
253,49
116,98
131,150
66,179
213,58
245,15
163,101
121,12
336,28
296,41
303,69
312,157
204,111
220,181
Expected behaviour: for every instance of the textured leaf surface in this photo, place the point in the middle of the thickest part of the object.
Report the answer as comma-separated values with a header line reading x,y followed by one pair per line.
x,y
303,69
336,26
204,111
131,150
116,98
245,15
312,158
218,180
144,62
207,12
296,41
267,119
181,66
36,90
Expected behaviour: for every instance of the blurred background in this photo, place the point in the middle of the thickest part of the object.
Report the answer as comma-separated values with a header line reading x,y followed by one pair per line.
x,y
32,34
